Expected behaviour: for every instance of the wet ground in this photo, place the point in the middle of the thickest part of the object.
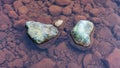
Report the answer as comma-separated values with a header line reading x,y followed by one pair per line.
x,y
17,50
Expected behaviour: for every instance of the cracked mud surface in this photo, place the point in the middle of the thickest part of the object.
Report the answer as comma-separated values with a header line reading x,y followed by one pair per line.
x,y
17,50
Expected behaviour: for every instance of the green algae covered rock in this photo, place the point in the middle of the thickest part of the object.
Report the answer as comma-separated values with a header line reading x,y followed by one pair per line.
x,y
40,32
82,31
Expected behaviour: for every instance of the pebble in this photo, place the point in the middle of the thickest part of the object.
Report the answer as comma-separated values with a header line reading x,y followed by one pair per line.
x,y
19,24
23,10
55,10
63,2
17,4
13,14
95,12
114,59
26,1
8,7
44,63
74,65
4,22
7,1
104,48
2,35
116,31
58,23
80,17
87,60
67,11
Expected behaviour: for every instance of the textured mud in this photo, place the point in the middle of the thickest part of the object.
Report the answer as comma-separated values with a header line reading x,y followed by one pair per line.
x,y
17,50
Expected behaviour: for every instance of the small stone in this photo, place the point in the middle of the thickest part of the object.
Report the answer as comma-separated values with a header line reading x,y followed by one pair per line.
x,y
26,1
114,58
88,7
8,7
74,65
46,19
82,31
95,12
23,10
79,17
7,1
77,9
2,35
19,24
5,22
116,31
17,4
40,32
44,63
13,14
55,10
67,11
63,2
98,11
58,23
84,2
87,60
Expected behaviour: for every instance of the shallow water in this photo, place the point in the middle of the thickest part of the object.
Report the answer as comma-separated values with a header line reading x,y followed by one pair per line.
x,y
17,50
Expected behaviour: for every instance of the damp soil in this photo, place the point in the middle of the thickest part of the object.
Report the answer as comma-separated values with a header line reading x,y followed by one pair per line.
x,y
17,50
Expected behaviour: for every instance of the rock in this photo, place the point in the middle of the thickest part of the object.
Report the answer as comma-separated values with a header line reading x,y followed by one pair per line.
x,y
87,60
4,22
113,18
7,8
60,64
114,59
80,58
2,35
79,17
17,4
61,50
23,10
100,2
55,10
63,2
95,12
46,19
88,7
116,31
84,2
7,1
104,33
58,23
23,17
16,63
26,1
73,65
40,32
77,9
104,48
96,20
13,14
111,4
82,31
67,11
44,63
19,24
